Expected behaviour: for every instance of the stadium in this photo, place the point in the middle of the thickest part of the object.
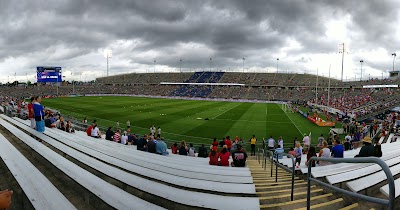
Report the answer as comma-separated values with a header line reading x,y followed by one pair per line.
x,y
135,104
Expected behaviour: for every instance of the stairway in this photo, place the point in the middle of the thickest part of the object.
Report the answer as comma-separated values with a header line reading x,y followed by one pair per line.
x,y
277,195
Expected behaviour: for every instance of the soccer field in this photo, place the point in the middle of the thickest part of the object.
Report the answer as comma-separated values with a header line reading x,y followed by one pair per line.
x,y
185,119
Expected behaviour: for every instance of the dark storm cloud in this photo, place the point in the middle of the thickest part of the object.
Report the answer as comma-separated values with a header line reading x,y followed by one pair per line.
x,y
66,32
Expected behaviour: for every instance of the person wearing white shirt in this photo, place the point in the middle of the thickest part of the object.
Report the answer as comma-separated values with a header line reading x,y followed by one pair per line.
x,y
280,141
124,138
306,142
271,143
95,132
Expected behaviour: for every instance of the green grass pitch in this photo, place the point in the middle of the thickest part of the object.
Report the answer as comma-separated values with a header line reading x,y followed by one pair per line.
x,y
185,119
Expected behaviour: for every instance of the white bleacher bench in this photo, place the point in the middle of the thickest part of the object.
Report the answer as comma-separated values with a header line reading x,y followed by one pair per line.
x,y
95,151
38,189
155,162
181,196
110,194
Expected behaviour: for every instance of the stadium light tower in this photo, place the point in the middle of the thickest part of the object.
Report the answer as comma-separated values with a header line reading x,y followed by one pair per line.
x,y
243,64
180,65
277,65
107,54
154,66
210,64
394,57
342,50
361,63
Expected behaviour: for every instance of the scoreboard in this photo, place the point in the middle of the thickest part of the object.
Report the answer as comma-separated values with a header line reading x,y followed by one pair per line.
x,y
48,74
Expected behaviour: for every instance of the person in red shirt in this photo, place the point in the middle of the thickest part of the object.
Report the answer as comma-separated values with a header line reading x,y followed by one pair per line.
x,y
117,136
213,157
224,156
89,130
214,144
174,148
30,113
228,143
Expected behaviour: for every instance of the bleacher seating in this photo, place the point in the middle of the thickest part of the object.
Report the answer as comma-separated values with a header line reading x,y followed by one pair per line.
x,y
167,170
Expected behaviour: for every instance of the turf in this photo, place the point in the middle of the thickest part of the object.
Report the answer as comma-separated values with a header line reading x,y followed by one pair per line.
x,y
185,119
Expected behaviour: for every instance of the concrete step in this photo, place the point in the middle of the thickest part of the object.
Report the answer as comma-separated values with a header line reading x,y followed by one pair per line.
x,y
268,199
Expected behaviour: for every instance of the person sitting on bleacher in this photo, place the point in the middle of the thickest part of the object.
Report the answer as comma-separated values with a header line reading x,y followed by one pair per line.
x,y
151,145
161,147
224,156
142,143
311,153
174,148
90,128
279,151
183,150
109,134
117,136
378,148
239,157
69,128
202,152
337,149
324,153
213,156
124,138
95,132
368,150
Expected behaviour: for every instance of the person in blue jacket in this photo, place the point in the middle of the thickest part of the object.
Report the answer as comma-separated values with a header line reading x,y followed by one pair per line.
x,y
38,111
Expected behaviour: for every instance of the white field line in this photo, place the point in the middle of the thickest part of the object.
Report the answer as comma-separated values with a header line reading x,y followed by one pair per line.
x,y
292,121
255,121
225,111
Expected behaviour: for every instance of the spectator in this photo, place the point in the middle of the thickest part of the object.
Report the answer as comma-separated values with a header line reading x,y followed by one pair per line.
x,y
117,136
5,199
253,142
192,151
38,111
202,152
271,143
239,157
142,143
222,142
84,120
31,115
159,132
306,142
292,152
337,149
95,132
215,144
280,141
299,152
224,156
228,143
117,125
132,139
183,150
378,148
368,149
213,157
161,147
320,140
151,145
347,145
124,138
311,153
128,125
174,148
279,151
324,153
109,134
69,127
89,129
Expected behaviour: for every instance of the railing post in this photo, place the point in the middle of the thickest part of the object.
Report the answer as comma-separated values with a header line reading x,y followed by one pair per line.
x,y
276,168
258,155
309,185
272,162
293,170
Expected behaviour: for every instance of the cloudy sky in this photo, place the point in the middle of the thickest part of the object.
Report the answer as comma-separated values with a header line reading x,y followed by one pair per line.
x,y
304,35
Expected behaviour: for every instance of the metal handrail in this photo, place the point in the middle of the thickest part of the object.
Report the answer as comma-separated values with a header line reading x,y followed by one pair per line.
x,y
380,162
288,169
